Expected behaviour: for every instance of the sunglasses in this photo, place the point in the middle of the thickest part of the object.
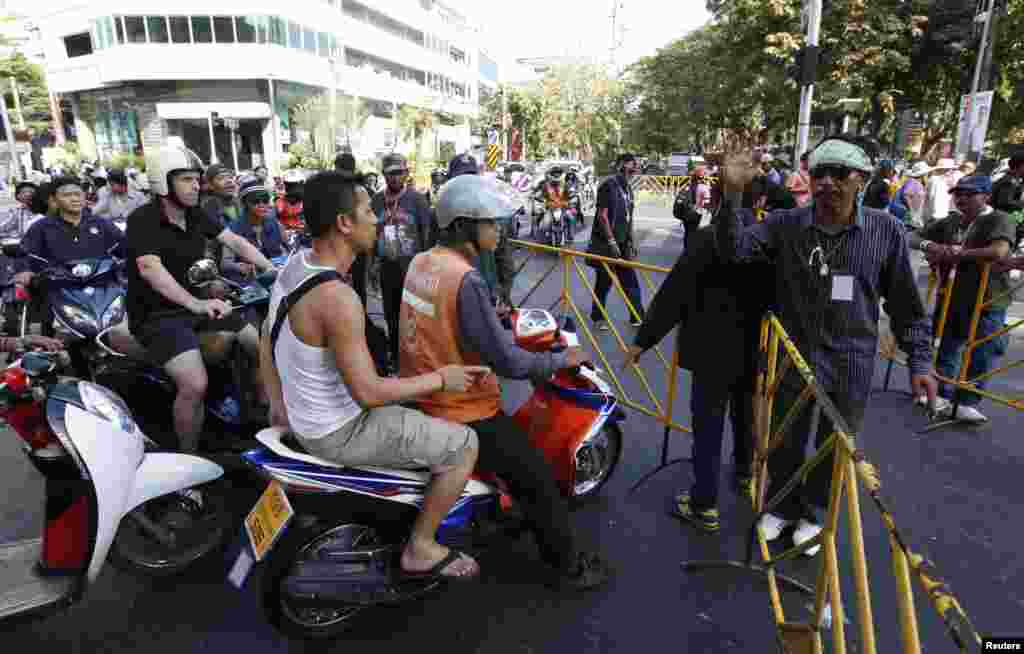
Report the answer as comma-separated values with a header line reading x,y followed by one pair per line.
x,y
259,199
838,173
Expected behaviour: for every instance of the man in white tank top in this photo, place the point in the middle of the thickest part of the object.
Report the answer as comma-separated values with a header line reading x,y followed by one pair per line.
x,y
325,387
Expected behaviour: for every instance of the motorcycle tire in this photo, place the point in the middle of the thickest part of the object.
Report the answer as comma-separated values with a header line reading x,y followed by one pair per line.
x,y
605,459
134,550
319,619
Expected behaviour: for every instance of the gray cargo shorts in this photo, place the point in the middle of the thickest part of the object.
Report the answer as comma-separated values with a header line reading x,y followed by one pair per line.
x,y
395,437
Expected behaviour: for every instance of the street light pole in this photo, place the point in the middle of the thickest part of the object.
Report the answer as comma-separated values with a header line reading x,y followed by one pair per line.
x,y
213,144
16,169
813,11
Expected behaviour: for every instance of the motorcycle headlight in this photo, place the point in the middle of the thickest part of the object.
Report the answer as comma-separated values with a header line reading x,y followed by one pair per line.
x,y
114,313
78,318
105,403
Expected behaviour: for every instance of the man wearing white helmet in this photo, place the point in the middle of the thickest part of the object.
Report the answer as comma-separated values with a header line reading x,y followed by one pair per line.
x,y
289,206
447,319
165,237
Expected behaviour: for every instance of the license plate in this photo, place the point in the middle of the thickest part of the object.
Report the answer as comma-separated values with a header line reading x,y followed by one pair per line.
x,y
262,528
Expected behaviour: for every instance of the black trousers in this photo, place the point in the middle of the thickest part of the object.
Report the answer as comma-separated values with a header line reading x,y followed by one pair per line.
x,y
708,402
630,284
392,280
790,455
691,226
506,451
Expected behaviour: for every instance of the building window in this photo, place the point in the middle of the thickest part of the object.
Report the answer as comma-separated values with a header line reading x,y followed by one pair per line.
x,y
179,29
223,29
323,44
118,27
309,40
135,28
202,29
278,31
458,56
294,35
332,46
246,28
78,45
157,26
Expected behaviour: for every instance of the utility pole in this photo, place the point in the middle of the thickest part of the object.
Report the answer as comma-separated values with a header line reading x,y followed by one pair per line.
x,y
213,142
982,53
812,16
334,109
16,169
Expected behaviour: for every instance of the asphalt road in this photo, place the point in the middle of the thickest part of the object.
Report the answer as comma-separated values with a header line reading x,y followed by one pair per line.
x,y
955,493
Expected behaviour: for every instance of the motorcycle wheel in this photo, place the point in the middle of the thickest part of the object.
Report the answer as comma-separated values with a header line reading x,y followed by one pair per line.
x,y
596,462
319,619
203,533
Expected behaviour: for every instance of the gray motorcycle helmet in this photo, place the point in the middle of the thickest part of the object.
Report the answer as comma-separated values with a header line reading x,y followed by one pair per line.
x,y
475,198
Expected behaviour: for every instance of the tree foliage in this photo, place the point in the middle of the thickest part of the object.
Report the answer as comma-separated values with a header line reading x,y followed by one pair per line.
x,y
32,91
729,77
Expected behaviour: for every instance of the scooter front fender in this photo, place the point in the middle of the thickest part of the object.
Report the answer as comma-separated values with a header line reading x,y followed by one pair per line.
x,y
161,473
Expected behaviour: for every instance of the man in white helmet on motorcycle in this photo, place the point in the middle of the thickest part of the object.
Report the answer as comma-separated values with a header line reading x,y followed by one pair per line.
x,y
165,237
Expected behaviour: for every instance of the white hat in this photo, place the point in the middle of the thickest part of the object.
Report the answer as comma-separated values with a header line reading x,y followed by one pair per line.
x,y
945,164
920,169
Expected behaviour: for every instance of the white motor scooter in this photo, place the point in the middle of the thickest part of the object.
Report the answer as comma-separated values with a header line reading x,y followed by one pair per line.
x,y
83,440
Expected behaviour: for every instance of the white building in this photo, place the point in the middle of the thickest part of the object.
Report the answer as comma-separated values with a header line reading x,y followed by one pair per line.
x,y
136,74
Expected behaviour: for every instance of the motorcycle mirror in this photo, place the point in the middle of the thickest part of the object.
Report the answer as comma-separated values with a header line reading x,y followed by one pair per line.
x,y
203,272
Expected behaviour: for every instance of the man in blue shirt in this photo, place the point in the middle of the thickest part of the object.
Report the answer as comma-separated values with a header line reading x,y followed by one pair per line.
x,y
72,234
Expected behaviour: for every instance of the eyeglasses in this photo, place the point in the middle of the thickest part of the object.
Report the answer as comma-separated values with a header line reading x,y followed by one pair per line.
x,y
838,173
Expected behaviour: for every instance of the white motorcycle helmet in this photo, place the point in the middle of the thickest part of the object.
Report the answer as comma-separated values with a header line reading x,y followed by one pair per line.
x,y
294,176
166,162
474,198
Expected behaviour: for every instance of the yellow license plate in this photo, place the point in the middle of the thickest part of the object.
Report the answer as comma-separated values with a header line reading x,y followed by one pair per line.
x,y
268,519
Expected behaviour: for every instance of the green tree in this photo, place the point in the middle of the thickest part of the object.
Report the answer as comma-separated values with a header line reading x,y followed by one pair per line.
x,y
32,91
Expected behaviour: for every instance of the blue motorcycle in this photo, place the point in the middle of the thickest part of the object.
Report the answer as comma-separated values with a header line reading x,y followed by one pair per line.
x,y
80,300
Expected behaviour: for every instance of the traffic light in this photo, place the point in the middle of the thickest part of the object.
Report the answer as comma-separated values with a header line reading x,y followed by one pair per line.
x,y
804,69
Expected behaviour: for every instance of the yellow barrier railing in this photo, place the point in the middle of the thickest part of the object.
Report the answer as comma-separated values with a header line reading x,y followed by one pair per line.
x,y
839,450
973,342
849,466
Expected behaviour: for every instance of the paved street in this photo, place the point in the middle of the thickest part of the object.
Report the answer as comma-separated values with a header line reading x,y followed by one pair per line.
x,y
954,492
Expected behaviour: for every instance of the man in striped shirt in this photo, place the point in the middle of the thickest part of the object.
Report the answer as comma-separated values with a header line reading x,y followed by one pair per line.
x,y
835,261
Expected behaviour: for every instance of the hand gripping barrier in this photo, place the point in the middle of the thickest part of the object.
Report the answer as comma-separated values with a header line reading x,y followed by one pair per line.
x,y
848,467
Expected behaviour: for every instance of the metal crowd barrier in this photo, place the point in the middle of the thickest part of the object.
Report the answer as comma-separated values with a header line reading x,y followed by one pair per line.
x,y
849,466
942,298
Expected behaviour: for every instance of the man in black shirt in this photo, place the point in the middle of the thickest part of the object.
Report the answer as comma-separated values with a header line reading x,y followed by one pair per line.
x,y
165,237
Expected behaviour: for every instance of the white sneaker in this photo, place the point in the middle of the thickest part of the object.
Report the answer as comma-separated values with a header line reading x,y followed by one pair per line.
x,y
921,401
772,525
970,414
943,407
804,532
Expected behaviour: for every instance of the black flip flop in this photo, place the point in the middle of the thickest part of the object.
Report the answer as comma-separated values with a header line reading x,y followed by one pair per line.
x,y
435,571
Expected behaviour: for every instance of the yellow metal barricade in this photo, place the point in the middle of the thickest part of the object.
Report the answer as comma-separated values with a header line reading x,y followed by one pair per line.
x,y
850,472
839,450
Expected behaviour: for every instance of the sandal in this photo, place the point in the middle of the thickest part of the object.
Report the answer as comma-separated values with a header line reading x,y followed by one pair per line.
x,y
437,571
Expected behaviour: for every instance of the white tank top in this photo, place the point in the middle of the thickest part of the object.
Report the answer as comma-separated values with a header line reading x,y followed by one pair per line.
x,y
315,394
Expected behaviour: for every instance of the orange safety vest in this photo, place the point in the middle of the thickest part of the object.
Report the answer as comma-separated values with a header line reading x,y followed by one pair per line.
x,y
288,214
429,336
